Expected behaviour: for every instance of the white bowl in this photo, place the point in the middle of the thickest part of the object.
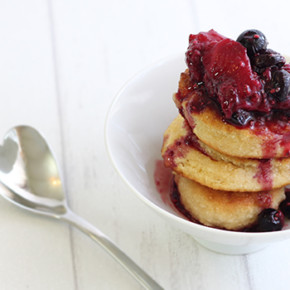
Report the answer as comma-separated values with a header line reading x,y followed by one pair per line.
x,y
135,125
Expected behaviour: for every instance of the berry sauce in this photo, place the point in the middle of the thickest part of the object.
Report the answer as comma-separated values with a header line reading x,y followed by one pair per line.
x,y
264,174
165,185
163,179
264,199
181,147
244,81
175,198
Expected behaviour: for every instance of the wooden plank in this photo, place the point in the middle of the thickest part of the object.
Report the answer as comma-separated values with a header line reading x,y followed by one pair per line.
x,y
35,252
99,45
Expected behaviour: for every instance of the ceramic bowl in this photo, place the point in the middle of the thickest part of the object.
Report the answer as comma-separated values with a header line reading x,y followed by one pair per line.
x,y
135,124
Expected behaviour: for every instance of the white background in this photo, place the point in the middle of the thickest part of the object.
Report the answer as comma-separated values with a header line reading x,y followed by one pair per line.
x,y
61,64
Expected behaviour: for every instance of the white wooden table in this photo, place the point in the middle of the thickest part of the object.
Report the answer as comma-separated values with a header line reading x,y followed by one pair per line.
x,y
61,64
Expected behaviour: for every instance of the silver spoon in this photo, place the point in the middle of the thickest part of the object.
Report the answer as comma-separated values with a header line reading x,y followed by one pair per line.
x,y
29,178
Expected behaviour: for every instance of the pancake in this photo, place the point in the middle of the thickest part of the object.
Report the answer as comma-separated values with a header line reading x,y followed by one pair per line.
x,y
229,148
185,154
223,209
209,127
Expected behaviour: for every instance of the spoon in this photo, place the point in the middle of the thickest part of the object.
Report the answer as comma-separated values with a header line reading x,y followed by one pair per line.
x,y
30,179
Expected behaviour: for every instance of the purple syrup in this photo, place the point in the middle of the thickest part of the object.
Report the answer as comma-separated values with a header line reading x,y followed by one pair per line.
x,y
264,199
175,198
167,189
163,180
264,174
181,147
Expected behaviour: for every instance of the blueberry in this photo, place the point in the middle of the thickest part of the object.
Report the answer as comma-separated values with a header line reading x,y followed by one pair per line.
x,y
285,208
270,220
280,85
241,118
268,58
287,193
253,40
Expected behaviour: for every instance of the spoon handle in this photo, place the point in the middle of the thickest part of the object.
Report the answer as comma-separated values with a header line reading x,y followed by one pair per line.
x,y
140,275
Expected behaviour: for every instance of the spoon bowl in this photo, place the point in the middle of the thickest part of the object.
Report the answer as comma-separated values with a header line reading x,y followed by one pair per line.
x,y
29,178
29,174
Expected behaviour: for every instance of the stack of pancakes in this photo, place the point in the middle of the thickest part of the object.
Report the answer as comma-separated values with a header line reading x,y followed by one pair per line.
x,y
225,175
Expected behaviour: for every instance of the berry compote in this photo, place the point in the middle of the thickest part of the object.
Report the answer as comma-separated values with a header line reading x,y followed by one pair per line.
x,y
247,81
